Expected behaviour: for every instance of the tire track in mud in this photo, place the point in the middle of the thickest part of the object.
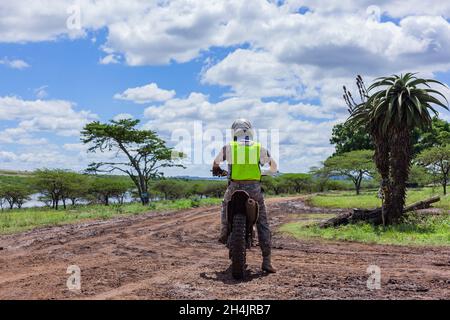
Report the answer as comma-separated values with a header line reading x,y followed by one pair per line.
x,y
174,255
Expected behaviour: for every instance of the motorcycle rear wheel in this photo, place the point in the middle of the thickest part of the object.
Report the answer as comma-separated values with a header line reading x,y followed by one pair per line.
x,y
238,246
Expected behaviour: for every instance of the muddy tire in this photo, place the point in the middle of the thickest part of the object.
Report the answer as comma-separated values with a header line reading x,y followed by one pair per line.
x,y
238,246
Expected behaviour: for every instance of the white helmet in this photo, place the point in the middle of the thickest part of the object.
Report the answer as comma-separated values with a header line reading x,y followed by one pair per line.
x,y
242,128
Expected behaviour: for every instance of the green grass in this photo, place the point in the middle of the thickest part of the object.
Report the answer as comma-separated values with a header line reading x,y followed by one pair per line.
x,y
368,199
431,230
18,220
15,173
312,216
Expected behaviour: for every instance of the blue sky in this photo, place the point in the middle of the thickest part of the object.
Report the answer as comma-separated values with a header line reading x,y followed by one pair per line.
x,y
71,71
174,63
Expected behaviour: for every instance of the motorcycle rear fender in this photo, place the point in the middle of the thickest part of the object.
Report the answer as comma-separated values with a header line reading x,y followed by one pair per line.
x,y
241,203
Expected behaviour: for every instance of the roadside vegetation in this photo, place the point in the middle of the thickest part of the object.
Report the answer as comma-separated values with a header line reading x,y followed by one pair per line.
x,y
60,189
414,230
396,121
369,199
392,142
12,221
70,197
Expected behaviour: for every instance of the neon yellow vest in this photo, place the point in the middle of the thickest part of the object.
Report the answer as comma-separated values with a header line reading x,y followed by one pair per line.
x,y
245,161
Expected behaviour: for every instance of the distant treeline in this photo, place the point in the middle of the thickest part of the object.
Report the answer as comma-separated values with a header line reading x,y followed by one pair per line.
x,y
59,188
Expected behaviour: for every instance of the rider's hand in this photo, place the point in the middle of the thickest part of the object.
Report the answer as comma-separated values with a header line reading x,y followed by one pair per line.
x,y
219,172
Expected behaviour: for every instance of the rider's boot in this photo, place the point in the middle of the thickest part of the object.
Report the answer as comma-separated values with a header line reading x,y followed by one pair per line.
x,y
223,238
267,265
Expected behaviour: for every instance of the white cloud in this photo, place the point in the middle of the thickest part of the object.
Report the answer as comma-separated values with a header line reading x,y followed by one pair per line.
x,y
31,20
6,156
15,63
41,92
75,147
392,8
20,136
341,40
400,8
49,157
122,116
333,36
110,59
287,55
145,94
72,156
254,74
35,116
80,157
304,129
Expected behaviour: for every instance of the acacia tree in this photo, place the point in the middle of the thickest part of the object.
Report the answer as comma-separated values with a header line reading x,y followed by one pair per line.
x,y
140,154
437,161
272,185
172,188
54,185
298,182
75,187
321,176
2,198
15,194
106,188
354,164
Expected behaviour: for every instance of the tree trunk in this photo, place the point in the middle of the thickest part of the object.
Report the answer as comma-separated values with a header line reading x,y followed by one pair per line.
x,y
358,183
145,199
400,161
372,216
381,158
144,190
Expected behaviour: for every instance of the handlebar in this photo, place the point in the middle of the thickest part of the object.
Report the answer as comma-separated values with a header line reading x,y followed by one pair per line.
x,y
224,173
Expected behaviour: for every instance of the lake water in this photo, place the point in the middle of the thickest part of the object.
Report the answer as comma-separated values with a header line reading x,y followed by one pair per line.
x,y
34,202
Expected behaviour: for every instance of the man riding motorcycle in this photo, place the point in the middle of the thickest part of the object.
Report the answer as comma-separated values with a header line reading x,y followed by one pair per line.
x,y
246,175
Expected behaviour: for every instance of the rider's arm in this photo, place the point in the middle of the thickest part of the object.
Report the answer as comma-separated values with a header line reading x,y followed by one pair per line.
x,y
265,158
221,157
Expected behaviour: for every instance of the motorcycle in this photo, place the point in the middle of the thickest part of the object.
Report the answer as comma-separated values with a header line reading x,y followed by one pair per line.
x,y
242,215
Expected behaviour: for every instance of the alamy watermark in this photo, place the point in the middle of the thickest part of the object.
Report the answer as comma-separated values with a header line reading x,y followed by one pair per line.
x,y
373,13
200,144
73,283
73,21
374,280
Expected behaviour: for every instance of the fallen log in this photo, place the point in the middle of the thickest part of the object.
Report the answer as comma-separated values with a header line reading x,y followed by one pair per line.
x,y
372,216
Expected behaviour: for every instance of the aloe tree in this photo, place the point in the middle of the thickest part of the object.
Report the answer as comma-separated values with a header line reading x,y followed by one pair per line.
x,y
360,119
398,105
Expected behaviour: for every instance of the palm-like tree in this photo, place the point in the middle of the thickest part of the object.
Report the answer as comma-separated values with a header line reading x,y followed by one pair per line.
x,y
400,104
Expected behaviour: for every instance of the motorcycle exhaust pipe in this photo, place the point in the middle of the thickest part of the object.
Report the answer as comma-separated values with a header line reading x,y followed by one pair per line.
x,y
252,210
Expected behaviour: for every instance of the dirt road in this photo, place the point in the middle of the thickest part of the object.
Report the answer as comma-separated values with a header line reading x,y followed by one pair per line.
x,y
175,255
